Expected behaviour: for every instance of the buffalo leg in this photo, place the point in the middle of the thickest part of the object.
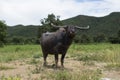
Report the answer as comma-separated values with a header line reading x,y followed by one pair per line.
x,y
45,57
56,60
62,59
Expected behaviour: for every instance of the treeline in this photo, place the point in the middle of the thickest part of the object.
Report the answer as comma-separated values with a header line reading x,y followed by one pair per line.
x,y
103,29
99,38
21,41
21,34
84,38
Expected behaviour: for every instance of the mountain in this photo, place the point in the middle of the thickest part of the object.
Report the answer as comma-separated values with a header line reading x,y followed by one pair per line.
x,y
108,25
29,31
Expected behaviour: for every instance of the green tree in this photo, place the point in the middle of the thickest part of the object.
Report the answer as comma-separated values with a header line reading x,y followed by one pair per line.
x,y
119,33
46,24
100,38
3,29
85,39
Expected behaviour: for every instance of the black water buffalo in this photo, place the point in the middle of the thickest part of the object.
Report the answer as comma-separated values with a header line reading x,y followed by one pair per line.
x,y
58,42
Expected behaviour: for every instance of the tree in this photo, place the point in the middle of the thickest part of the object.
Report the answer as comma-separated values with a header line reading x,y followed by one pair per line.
x,y
119,33
85,39
100,38
46,24
115,40
3,29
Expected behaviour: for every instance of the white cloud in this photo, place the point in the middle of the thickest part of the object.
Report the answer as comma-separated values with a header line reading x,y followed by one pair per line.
x,y
31,11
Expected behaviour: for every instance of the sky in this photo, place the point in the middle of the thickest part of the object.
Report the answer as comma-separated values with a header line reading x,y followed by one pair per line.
x,y
30,12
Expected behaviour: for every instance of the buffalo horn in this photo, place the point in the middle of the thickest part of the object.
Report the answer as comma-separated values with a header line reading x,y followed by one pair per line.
x,y
57,26
83,27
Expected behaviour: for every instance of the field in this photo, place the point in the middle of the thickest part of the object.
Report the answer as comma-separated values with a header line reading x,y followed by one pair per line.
x,y
82,62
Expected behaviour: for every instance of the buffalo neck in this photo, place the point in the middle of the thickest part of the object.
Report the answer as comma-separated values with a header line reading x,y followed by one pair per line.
x,y
67,40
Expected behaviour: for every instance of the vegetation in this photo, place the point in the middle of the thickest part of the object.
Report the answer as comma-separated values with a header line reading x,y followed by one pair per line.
x,y
96,52
14,52
3,29
46,24
3,67
102,29
83,75
87,55
107,25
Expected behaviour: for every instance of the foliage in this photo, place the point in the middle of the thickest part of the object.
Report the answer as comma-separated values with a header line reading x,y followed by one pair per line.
x,y
14,52
83,75
3,67
108,26
113,66
29,31
87,55
10,78
46,24
100,38
22,34
96,52
82,39
3,29
115,40
119,33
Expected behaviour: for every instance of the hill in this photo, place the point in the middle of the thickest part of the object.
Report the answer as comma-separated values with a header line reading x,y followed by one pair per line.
x,y
29,31
108,25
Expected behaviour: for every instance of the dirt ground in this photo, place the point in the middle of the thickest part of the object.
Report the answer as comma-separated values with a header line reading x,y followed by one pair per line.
x,y
25,70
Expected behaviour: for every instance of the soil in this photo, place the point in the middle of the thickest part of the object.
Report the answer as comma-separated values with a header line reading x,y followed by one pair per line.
x,y
25,70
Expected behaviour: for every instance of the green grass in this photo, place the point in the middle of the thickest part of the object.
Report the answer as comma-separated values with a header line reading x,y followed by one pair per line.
x,y
3,67
78,75
113,66
91,52
15,52
10,78
88,54
96,52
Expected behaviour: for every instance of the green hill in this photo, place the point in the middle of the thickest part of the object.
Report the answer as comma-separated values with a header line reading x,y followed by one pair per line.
x,y
108,25
29,31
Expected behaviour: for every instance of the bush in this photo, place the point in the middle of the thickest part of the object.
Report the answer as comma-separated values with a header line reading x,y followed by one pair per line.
x,y
114,40
100,38
3,29
82,39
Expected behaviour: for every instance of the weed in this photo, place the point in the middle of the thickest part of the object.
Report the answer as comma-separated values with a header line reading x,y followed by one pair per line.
x,y
10,78
90,63
17,49
37,55
15,52
33,61
3,67
83,75
37,69
113,66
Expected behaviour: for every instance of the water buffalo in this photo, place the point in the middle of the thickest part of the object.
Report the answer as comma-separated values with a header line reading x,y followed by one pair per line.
x,y
58,42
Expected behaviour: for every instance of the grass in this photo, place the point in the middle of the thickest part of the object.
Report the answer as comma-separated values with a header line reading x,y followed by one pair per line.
x,y
88,54
78,75
15,52
113,66
91,52
10,78
3,67
96,52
